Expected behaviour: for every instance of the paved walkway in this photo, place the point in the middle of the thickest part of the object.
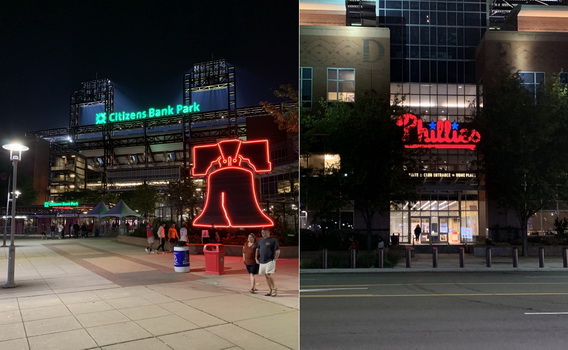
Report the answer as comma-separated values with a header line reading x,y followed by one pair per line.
x,y
99,294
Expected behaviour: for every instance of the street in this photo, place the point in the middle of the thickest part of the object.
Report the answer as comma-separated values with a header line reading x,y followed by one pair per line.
x,y
434,310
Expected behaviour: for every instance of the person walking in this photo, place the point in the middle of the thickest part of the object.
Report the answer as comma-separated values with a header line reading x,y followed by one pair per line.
x,y
52,230
150,238
249,258
268,253
183,234
173,237
417,232
84,230
162,237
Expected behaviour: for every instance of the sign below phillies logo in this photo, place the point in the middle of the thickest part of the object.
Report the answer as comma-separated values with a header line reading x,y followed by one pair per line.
x,y
231,199
437,134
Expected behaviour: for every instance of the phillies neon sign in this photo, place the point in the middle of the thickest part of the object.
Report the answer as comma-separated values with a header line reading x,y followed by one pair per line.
x,y
231,199
438,134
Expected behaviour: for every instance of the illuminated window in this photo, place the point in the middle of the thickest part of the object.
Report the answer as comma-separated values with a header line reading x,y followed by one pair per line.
x,y
341,84
531,81
306,86
284,187
321,163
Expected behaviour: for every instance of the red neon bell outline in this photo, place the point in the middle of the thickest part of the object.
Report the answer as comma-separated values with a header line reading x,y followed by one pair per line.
x,y
442,137
226,214
231,160
235,159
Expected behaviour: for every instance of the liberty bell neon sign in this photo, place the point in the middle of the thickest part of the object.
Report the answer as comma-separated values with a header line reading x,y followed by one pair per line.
x,y
231,199
438,134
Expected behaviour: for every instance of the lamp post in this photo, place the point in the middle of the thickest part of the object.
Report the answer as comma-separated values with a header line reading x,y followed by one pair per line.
x,y
7,208
15,156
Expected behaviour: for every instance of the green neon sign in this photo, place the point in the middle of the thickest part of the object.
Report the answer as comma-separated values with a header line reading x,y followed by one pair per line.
x,y
115,117
60,204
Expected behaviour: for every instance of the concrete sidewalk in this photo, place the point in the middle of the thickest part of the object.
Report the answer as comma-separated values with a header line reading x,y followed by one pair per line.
x,y
450,262
96,293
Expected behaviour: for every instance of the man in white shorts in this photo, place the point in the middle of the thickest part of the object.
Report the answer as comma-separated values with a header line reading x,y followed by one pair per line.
x,y
268,252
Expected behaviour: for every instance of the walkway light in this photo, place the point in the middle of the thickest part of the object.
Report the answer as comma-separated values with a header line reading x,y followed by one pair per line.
x,y
16,150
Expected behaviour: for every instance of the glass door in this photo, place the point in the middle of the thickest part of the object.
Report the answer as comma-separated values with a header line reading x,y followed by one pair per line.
x,y
420,230
449,230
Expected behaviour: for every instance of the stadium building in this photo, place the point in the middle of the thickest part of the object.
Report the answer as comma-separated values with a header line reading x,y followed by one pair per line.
x,y
109,150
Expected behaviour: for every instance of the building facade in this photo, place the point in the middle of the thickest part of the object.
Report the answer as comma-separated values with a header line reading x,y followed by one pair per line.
x,y
424,54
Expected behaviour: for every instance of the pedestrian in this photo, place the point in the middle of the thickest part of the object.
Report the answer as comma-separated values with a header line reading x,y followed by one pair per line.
x,y
417,232
150,238
268,253
162,237
52,230
183,234
76,229
61,230
249,259
173,237
84,230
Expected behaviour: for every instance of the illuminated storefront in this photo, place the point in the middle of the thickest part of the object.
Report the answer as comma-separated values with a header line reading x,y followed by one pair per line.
x,y
446,218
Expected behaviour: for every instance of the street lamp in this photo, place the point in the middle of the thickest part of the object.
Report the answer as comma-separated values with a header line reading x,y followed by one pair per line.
x,y
16,150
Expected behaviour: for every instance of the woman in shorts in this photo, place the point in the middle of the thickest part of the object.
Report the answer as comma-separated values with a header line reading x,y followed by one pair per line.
x,y
249,258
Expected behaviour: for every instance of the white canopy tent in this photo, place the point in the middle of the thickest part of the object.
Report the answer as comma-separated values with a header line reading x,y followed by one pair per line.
x,y
120,210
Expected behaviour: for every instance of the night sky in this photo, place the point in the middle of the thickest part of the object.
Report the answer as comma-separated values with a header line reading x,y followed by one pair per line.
x,y
143,47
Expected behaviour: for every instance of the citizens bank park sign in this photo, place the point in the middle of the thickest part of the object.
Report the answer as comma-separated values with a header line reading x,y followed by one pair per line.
x,y
104,118
441,134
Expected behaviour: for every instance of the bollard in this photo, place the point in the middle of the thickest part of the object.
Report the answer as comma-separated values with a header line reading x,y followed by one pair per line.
x,y
353,258
408,257
324,259
488,256
434,257
541,257
564,257
462,256
515,256
381,258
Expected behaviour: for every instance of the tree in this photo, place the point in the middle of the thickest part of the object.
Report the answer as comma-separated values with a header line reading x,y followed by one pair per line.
x,y
287,115
182,194
374,163
523,145
143,198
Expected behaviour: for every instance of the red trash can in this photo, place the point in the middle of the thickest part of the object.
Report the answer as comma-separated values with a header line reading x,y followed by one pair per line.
x,y
214,258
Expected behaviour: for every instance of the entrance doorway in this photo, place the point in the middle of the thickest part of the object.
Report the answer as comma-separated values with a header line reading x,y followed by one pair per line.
x,y
424,224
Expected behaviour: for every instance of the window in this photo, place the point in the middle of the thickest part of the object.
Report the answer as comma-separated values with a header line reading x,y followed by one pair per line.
x,y
306,86
531,81
563,78
341,84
